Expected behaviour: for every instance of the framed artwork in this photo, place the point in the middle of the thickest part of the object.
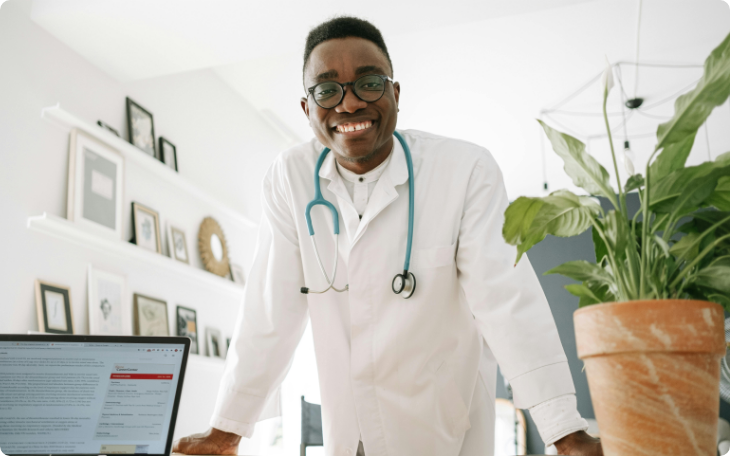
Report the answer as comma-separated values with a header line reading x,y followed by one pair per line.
x,y
146,227
215,343
106,127
150,316
213,248
109,310
141,128
168,153
187,326
177,244
237,273
95,185
53,303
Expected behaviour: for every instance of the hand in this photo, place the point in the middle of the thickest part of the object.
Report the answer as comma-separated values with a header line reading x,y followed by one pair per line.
x,y
579,444
214,441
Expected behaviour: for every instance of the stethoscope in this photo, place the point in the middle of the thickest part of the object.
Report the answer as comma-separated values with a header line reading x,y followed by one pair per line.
x,y
403,284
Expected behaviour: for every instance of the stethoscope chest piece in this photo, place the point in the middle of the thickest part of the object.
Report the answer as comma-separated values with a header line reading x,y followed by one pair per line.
x,y
404,284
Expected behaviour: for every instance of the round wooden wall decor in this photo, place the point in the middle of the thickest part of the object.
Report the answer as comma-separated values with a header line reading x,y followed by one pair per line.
x,y
213,248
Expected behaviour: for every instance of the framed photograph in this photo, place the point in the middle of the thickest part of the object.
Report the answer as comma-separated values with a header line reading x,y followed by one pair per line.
x,y
146,227
106,127
53,303
109,309
237,273
168,153
177,244
187,326
216,344
95,185
141,128
150,316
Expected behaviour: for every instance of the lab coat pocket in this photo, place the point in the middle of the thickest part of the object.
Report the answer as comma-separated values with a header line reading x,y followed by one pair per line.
x,y
434,257
451,403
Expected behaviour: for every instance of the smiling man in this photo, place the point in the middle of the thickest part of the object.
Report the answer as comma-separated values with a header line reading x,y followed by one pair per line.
x,y
413,376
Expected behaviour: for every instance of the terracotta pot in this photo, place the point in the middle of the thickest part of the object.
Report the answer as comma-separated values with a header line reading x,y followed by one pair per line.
x,y
654,374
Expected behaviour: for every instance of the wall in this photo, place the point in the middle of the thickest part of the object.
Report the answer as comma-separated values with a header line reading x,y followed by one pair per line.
x,y
224,147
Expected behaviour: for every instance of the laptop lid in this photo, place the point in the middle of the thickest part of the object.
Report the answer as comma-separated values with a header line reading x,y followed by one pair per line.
x,y
89,395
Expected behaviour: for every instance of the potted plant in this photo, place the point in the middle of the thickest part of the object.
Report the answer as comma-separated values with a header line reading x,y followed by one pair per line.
x,y
650,324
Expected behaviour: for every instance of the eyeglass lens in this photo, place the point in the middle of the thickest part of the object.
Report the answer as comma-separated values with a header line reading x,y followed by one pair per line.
x,y
368,88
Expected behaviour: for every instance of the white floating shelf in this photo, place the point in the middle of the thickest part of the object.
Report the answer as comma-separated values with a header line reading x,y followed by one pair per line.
x,y
67,120
63,229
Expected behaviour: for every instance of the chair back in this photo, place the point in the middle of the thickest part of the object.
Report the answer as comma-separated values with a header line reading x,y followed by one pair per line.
x,y
311,426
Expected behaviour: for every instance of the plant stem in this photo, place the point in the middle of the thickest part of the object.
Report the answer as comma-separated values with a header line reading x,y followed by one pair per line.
x,y
645,225
612,260
622,196
694,262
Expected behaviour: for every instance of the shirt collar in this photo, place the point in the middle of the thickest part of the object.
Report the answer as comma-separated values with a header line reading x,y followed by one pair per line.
x,y
371,176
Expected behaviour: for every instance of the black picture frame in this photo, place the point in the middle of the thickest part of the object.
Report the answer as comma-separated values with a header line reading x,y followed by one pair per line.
x,y
183,327
172,164
149,149
42,308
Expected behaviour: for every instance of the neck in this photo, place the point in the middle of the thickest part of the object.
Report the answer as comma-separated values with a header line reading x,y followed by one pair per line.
x,y
368,162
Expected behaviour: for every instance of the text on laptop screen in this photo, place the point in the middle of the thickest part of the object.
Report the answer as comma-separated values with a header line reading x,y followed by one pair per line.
x,y
84,398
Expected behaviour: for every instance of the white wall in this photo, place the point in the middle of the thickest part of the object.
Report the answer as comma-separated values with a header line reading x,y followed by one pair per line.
x,y
224,147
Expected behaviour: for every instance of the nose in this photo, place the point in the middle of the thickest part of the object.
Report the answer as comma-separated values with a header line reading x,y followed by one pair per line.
x,y
350,102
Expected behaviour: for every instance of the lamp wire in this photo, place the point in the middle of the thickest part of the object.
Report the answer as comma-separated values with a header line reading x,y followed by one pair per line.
x,y
638,36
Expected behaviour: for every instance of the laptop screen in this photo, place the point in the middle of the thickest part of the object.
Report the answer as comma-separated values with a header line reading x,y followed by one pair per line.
x,y
92,395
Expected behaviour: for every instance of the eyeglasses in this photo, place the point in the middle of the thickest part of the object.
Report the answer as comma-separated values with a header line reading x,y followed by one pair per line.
x,y
369,88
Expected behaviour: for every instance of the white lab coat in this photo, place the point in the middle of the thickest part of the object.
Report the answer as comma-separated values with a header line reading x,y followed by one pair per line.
x,y
408,377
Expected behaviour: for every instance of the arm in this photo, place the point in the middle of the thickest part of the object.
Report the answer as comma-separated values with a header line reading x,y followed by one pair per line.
x,y
510,309
269,327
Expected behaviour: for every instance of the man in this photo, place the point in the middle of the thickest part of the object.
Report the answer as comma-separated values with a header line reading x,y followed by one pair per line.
x,y
398,377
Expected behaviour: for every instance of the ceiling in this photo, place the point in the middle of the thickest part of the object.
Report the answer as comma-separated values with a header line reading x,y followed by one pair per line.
x,y
478,70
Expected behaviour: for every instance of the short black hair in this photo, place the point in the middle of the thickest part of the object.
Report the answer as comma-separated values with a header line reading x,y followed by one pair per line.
x,y
344,27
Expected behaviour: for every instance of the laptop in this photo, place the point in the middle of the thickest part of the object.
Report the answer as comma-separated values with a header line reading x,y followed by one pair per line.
x,y
89,395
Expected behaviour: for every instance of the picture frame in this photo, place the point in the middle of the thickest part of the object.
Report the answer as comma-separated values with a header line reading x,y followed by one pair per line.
x,y
187,326
237,273
109,309
168,153
108,128
177,244
53,306
146,228
95,185
215,344
141,128
150,316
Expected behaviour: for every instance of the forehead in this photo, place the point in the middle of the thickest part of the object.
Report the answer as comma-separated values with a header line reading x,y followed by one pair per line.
x,y
344,56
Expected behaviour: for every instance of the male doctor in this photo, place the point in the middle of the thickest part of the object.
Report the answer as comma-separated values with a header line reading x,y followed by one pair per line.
x,y
397,376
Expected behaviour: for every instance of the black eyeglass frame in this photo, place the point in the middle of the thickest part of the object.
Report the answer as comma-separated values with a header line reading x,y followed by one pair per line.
x,y
310,91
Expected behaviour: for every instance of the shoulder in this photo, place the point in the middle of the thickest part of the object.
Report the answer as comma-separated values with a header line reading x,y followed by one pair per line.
x,y
450,152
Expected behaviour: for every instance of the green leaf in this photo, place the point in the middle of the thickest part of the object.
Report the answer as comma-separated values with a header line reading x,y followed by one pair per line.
x,y
585,171
617,234
587,297
721,261
662,244
693,108
716,277
684,190
672,158
688,247
720,198
561,213
634,182
599,245
581,271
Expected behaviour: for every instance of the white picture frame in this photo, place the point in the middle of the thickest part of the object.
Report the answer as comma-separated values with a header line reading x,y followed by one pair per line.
x,y
215,345
177,243
95,195
110,311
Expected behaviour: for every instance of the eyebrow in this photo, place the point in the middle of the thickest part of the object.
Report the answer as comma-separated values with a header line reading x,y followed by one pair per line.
x,y
332,74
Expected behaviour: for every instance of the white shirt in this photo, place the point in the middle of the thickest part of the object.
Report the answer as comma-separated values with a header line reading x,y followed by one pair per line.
x,y
414,376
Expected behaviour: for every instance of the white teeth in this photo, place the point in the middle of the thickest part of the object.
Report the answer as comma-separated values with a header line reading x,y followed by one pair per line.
x,y
354,127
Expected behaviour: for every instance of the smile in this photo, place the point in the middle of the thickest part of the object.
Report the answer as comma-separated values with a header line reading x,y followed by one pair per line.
x,y
354,126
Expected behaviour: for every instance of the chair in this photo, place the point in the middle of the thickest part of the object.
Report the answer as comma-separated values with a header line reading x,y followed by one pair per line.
x,y
311,426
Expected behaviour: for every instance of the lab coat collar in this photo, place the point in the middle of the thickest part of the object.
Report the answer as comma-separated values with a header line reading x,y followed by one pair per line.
x,y
383,194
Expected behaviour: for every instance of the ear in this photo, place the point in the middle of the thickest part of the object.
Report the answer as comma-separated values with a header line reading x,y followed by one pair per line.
x,y
396,92
305,106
